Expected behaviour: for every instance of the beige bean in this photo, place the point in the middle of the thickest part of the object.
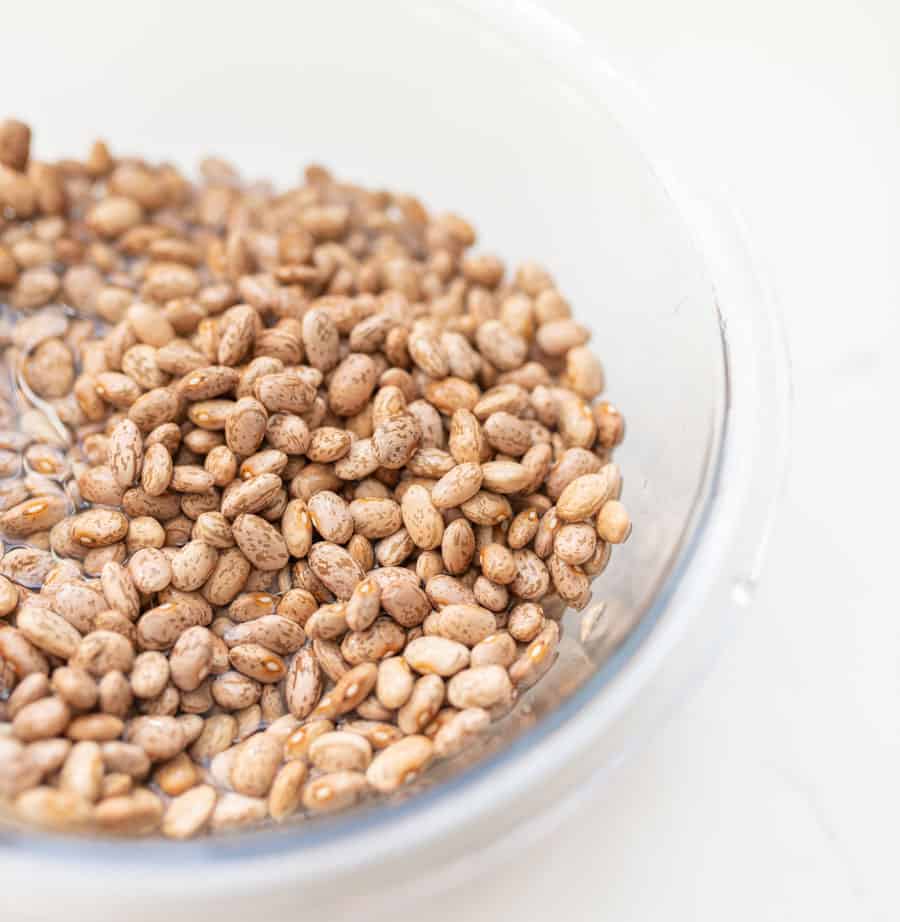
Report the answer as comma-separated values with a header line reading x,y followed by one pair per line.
x,y
274,632
466,624
193,564
32,688
126,758
583,497
296,746
296,528
117,784
340,751
20,653
150,570
374,517
575,543
287,433
447,590
261,543
41,719
349,690
537,658
144,532
436,655
613,523
393,550
334,791
119,589
149,674
492,596
396,440
378,733
400,763
328,622
504,477
574,463
458,485
364,605
532,577
214,529
233,810
286,792
458,546
54,808
284,392
576,422
255,765
198,701
227,578
245,425
136,502
74,685
48,631
189,813
161,738
125,452
115,695
218,733
423,521
233,690
34,515
328,444
321,339
9,597
154,408
177,775
256,661
395,682
248,721
159,627
303,684
331,516
191,658
383,638
82,772
99,527
460,731
480,686
401,596
525,622
97,727
101,652
336,568
221,464
47,756
424,702
360,460
156,471
487,508
569,581
497,563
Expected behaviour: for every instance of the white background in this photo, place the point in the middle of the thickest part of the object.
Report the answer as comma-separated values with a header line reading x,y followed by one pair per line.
x,y
773,794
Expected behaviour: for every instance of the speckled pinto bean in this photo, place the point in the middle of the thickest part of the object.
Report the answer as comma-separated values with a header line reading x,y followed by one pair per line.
x,y
295,486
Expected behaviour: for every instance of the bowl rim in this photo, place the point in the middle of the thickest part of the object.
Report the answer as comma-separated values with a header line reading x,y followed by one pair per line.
x,y
622,676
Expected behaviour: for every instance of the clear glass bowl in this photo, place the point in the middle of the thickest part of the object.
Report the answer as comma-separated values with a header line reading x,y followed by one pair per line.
x,y
502,113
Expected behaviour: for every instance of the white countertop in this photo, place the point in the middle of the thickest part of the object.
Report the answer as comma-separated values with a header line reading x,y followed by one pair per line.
x,y
772,795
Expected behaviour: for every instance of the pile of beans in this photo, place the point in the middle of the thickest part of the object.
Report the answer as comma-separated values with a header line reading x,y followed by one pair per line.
x,y
294,490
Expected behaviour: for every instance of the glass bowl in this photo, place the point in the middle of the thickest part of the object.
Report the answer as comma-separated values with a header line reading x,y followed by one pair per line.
x,y
502,113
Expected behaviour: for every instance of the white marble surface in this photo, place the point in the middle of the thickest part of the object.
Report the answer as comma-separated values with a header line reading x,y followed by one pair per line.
x,y
772,795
